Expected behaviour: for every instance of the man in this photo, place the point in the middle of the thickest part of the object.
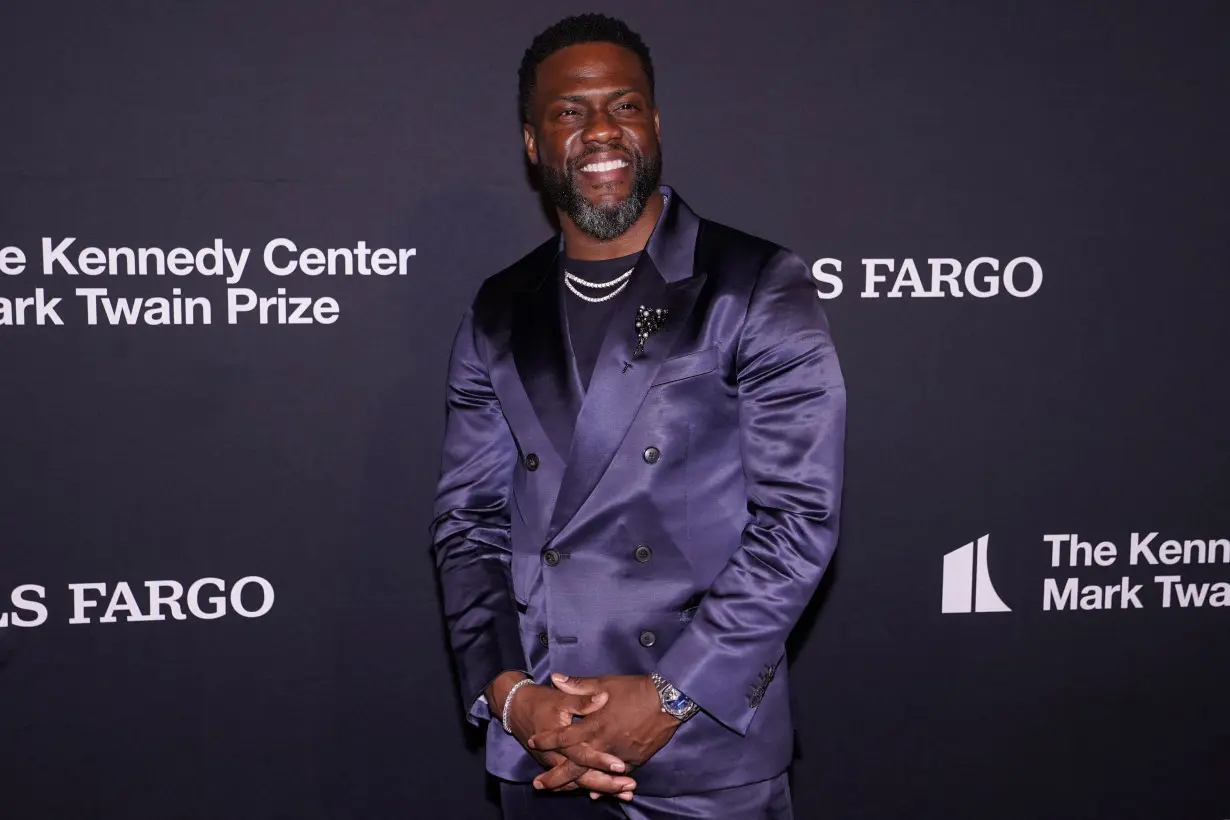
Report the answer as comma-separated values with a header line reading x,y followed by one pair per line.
x,y
641,473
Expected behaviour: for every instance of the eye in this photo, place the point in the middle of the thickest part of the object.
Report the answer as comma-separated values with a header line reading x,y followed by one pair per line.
x,y
569,112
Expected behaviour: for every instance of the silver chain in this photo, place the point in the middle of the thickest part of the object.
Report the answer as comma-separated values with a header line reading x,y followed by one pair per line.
x,y
569,278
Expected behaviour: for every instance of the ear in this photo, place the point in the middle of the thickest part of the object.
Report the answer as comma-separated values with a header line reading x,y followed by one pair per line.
x,y
531,142
657,126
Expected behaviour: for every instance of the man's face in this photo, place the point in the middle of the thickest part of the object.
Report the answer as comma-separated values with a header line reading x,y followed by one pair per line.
x,y
593,134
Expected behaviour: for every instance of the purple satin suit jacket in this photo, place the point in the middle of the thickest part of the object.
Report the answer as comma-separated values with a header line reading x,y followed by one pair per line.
x,y
677,516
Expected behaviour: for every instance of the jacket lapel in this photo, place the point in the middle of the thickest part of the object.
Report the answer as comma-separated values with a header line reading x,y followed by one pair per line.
x,y
541,353
663,278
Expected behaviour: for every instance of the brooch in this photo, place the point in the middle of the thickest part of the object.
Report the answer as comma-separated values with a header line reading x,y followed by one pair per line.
x,y
648,321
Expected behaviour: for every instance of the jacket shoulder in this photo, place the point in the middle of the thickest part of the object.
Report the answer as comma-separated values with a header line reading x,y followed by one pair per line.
x,y
498,292
730,252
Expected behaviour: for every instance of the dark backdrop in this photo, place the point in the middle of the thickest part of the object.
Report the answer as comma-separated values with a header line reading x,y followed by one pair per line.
x,y
1089,137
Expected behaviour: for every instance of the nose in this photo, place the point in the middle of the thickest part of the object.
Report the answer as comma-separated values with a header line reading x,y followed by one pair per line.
x,y
600,127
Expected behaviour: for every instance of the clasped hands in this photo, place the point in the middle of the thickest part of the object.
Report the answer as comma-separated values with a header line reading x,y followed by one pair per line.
x,y
622,726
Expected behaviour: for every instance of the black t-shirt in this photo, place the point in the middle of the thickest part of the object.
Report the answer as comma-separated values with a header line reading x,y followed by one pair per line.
x,y
588,321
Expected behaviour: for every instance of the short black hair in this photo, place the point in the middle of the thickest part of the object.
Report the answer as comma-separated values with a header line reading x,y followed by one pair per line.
x,y
571,31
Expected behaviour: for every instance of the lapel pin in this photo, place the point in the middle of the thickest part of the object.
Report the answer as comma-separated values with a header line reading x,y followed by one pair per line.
x,y
648,321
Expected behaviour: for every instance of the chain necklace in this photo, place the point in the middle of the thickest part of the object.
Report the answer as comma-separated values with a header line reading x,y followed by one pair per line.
x,y
621,280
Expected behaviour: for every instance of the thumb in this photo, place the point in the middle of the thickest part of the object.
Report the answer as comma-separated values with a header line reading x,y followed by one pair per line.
x,y
574,686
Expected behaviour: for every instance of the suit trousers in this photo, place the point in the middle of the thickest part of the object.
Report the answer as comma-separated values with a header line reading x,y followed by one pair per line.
x,y
766,800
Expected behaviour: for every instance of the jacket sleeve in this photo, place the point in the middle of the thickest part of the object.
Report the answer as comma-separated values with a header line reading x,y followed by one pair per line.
x,y
470,530
792,408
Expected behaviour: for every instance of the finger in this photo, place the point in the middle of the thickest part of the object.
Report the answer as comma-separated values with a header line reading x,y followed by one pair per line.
x,y
552,759
585,755
590,780
625,796
575,686
605,783
553,739
585,704
559,776
596,759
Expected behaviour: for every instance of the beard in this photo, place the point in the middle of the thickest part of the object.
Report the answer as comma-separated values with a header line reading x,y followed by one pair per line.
x,y
603,222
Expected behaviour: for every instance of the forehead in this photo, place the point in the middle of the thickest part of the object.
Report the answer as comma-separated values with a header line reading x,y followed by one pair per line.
x,y
590,66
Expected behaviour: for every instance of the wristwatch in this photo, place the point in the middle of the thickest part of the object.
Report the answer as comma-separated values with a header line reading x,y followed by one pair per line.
x,y
674,702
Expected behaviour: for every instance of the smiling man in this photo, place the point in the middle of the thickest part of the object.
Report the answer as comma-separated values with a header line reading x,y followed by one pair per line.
x,y
641,473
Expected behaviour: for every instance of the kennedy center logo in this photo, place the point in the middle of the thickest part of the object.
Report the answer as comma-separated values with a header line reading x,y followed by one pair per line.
x,y
967,584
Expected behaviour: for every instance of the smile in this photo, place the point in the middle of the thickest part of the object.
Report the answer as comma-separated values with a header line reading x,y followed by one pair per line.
x,y
603,167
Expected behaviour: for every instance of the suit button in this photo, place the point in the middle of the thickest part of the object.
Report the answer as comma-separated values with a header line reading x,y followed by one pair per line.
x,y
643,553
551,557
542,639
651,455
531,462
647,638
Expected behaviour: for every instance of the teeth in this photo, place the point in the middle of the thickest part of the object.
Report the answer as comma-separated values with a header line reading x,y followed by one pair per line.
x,y
602,167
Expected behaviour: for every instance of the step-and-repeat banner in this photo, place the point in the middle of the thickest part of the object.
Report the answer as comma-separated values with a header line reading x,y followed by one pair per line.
x,y
235,243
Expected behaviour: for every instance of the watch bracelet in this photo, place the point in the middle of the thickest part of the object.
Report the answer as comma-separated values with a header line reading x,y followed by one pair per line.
x,y
662,684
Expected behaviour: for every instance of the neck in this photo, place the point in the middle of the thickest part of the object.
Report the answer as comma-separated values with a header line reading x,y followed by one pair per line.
x,y
580,245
